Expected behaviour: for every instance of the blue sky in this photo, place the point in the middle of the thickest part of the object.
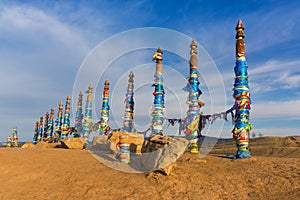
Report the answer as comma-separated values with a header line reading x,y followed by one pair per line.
x,y
43,44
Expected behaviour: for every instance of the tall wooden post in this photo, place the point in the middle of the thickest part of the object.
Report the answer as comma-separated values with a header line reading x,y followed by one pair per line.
x,y
241,94
78,117
193,114
66,123
159,93
104,128
87,121
129,106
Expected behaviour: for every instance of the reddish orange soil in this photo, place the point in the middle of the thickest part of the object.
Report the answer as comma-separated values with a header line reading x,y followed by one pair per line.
x,y
76,174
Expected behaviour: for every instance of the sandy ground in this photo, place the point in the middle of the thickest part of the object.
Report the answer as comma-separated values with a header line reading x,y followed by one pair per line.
x,y
272,173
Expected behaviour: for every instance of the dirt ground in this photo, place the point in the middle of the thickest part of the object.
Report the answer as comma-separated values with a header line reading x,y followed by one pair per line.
x,y
273,172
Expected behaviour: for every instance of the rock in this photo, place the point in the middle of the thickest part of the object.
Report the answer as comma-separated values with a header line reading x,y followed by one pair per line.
x,y
74,143
155,142
157,157
168,169
154,159
54,145
41,145
45,145
160,139
28,145
136,140
151,146
100,143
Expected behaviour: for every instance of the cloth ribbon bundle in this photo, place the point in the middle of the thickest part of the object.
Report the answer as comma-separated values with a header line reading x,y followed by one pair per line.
x,y
241,94
192,120
159,104
87,121
204,119
50,125
66,123
129,106
58,122
40,130
124,149
78,117
173,121
35,134
86,127
223,115
104,127
15,137
9,141
46,126
159,92
157,55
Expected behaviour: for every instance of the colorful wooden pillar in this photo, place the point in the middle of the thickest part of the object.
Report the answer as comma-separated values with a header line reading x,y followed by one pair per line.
x,y
159,93
191,122
65,128
104,128
241,94
78,117
87,121
124,149
9,141
46,123
58,123
50,125
35,134
40,130
15,137
128,124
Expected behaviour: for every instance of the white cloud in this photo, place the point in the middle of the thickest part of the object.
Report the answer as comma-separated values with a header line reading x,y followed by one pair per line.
x,y
273,27
289,80
276,109
274,75
269,76
28,23
275,66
